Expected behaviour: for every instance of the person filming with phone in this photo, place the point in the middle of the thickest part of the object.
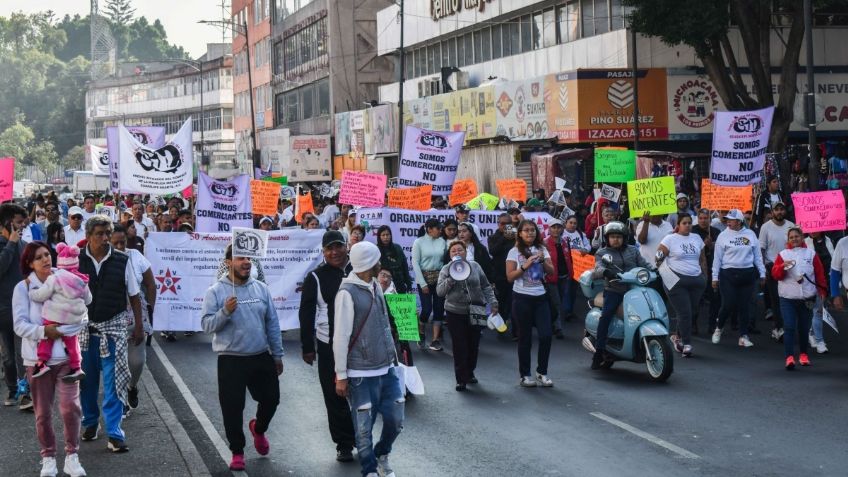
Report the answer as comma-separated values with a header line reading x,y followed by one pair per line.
x,y
12,216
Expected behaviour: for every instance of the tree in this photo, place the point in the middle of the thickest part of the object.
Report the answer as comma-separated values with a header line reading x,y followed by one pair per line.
x,y
120,12
704,26
19,141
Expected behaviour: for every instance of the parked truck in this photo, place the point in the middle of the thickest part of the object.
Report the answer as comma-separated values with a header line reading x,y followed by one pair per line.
x,y
88,181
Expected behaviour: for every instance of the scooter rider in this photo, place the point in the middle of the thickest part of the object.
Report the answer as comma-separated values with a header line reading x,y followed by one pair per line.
x,y
625,258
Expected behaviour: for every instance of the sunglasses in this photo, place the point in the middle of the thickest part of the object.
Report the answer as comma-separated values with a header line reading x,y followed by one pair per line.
x,y
76,217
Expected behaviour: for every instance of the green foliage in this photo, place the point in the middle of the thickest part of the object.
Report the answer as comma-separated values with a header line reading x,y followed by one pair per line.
x,y
689,22
120,12
19,141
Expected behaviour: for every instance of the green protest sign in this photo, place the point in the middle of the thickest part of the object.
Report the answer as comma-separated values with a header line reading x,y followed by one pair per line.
x,y
284,180
403,309
615,165
655,195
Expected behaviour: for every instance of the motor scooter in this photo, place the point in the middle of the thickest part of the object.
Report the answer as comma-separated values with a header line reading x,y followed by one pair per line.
x,y
639,330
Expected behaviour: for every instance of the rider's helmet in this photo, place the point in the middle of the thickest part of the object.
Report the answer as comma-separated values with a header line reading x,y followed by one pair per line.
x,y
615,228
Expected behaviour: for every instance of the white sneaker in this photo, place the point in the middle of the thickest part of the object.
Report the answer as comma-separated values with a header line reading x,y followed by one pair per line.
x,y
716,335
745,342
812,340
687,351
73,467
383,467
821,348
544,381
527,382
776,334
48,467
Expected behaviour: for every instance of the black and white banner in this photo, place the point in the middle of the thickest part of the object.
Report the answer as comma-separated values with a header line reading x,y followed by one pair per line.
x,y
157,171
251,243
99,159
150,136
222,205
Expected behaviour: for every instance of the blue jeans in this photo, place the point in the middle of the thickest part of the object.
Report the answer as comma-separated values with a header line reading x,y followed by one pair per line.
x,y
431,303
796,323
113,408
818,321
612,300
368,397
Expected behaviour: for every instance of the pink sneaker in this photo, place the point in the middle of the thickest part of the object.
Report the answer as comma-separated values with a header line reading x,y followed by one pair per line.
x,y
40,369
260,442
238,462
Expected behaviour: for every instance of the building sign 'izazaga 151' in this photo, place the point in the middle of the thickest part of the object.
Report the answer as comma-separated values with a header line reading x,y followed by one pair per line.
x,y
445,8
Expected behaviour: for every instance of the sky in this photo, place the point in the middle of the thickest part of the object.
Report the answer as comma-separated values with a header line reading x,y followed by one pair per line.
x,y
180,21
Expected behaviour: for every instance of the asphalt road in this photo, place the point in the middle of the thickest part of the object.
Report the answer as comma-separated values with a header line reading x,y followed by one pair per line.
x,y
726,411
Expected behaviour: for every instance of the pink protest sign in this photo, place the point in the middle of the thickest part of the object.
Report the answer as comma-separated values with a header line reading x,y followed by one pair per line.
x,y
819,211
7,178
363,189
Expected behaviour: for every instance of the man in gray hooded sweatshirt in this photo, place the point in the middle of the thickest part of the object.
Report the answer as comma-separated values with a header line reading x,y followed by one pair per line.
x,y
239,311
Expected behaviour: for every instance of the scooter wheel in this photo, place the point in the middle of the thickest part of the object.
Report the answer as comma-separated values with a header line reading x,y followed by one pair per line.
x,y
660,363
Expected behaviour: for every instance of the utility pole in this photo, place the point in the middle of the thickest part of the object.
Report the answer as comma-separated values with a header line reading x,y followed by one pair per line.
x,y
810,97
635,73
402,64
257,163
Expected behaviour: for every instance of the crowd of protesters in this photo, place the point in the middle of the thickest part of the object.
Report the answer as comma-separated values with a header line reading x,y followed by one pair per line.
x,y
523,273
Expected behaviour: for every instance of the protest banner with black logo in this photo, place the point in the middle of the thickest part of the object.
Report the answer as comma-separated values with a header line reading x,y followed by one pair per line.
x,y
251,243
99,159
157,171
150,136
222,205
430,158
740,140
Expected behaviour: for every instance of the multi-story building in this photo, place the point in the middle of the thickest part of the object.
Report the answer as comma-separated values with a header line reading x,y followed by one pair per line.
x,y
166,94
324,61
255,16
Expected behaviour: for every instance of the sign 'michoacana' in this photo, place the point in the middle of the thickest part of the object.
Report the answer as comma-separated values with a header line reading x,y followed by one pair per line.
x,y
445,8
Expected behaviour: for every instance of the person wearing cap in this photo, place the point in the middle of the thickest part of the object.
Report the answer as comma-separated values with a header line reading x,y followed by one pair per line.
x,y
766,200
558,283
366,360
772,241
624,258
266,223
533,205
683,208
317,312
737,262
74,231
463,214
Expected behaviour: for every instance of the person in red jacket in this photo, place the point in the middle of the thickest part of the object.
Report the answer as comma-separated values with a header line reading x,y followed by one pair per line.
x,y
800,276
557,283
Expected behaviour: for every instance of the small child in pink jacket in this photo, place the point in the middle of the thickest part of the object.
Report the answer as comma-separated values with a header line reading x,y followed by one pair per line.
x,y
64,295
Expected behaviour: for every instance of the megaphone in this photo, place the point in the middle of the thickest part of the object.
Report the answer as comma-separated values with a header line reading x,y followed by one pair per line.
x,y
459,269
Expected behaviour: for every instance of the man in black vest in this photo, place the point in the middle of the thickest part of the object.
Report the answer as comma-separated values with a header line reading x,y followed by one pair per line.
x,y
316,330
104,342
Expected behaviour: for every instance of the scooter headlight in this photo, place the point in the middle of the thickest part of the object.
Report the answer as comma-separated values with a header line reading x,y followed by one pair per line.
x,y
643,277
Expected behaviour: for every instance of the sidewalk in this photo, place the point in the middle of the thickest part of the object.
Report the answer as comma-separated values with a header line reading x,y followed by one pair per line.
x,y
158,444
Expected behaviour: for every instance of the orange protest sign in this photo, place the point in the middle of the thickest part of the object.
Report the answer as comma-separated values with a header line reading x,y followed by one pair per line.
x,y
463,191
264,196
716,197
413,198
304,205
581,263
515,189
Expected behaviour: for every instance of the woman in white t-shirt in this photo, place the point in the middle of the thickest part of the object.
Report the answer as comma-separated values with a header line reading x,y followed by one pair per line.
x,y
684,279
576,238
526,266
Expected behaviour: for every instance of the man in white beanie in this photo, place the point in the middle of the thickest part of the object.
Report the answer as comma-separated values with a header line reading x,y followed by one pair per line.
x,y
365,359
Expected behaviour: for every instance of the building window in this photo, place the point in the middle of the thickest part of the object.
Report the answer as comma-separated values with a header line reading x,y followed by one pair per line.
x,y
602,17
568,22
550,28
468,43
485,36
514,38
409,65
526,34
431,59
497,51
306,49
451,44
303,103
460,52
587,9
323,98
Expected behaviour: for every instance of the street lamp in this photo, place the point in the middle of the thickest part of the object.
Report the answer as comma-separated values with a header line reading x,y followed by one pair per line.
x,y
242,30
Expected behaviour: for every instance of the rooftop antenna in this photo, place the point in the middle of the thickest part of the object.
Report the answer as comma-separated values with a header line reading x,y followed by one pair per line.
x,y
104,53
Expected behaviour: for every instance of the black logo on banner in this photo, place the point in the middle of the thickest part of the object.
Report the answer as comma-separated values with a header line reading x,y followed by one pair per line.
x,y
749,123
168,159
433,140
140,136
103,159
226,190
248,241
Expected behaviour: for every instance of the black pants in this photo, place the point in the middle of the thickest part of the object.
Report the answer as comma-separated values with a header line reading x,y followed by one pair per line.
x,y
737,291
533,311
338,412
714,297
10,352
773,301
258,375
465,341
503,291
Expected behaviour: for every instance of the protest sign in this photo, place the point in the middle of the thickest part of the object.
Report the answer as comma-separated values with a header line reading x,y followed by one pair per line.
x,y
157,171
819,211
614,165
463,191
484,201
430,157
98,157
403,309
363,189
515,189
310,158
222,205
249,242
304,205
581,263
414,198
282,180
610,193
185,265
740,139
150,136
717,197
655,195
264,196
828,318
7,178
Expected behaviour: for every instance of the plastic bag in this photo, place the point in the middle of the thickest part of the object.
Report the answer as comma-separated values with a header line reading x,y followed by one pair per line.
x,y
495,322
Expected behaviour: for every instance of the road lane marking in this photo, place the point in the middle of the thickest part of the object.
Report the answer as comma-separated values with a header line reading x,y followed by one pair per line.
x,y
198,411
644,435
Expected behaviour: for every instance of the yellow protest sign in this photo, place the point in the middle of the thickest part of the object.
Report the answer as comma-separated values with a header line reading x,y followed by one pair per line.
x,y
717,197
264,196
413,198
655,195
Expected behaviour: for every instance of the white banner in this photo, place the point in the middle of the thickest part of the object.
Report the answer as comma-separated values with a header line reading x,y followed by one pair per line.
x,y
251,243
185,265
166,170
222,205
150,136
430,157
99,159
740,140
310,159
